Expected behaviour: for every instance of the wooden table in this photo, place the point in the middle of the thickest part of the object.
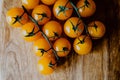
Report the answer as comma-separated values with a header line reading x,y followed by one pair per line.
x,y
18,62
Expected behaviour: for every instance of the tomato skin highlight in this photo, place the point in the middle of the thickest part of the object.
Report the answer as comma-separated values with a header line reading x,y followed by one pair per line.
x,y
42,14
30,4
62,9
73,27
86,8
30,32
82,47
96,29
62,46
14,14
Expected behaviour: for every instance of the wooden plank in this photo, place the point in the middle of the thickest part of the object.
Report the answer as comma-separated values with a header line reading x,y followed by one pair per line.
x,y
18,62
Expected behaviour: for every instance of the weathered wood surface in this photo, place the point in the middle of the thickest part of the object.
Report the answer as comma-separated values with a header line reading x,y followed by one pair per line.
x,y
17,61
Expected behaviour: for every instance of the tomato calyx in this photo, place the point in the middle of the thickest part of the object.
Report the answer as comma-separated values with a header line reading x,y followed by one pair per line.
x,y
32,33
51,65
56,35
81,41
63,9
44,15
95,26
18,18
43,50
86,3
75,27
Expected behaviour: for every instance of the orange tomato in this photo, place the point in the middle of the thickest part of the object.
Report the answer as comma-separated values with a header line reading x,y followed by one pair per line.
x,y
16,17
48,2
53,30
30,4
42,14
46,64
73,27
62,9
41,47
86,8
62,46
82,45
96,29
30,32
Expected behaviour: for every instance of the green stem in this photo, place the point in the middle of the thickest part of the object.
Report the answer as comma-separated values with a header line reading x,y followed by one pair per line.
x,y
55,53
76,9
43,34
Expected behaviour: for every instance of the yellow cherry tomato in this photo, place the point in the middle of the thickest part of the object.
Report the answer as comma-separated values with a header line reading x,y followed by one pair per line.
x,y
30,32
53,30
42,14
82,45
62,9
41,47
30,4
62,46
73,27
46,64
96,29
16,17
86,8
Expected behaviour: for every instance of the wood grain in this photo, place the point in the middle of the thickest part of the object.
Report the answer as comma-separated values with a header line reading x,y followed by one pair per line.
x,y
18,62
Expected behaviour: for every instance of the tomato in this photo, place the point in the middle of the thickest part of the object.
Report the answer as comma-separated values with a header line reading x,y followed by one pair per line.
x,y
53,30
30,32
30,4
62,9
96,29
48,2
73,27
86,8
82,44
42,14
62,46
46,64
41,47
16,17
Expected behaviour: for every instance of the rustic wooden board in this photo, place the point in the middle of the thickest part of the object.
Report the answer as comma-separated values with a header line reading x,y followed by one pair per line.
x,y
17,61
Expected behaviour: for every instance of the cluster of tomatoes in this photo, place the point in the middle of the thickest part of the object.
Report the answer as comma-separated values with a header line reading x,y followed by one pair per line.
x,y
40,21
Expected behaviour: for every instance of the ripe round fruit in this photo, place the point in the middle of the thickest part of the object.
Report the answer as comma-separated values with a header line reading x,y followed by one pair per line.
x,y
30,4
62,46
82,44
96,29
42,14
16,17
73,27
41,47
46,64
52,29
86,8
30,32
62,9
48,2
